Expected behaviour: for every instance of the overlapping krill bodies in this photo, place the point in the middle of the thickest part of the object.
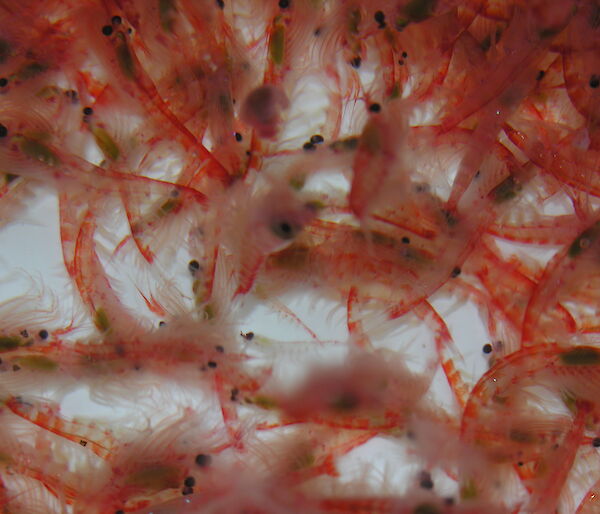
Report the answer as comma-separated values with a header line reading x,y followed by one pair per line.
x,y
539,440
449,144
258,216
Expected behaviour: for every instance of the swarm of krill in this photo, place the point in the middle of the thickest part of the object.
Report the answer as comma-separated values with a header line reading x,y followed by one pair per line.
x,y
380,163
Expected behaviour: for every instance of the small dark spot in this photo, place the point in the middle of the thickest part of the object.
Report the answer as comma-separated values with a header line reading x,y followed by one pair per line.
x,y
405,240
375,107
119,512
284,4
187,490
72,95
234,394
248,153
16,367
161,323
425,481
248,335
520,463
107,30
380,19
594,81
82,442
540,75
203,460
3,131
88,111
137,367
24,333
596,442
308,146
487,348
356,62
284,230
316,139
401,62
449,501
3,82
404,55
129,30
211,364
477,174
116,20
43,334
220,4
193,266
220,349
238,137
410,435
189,482
455,272
451,219
317,32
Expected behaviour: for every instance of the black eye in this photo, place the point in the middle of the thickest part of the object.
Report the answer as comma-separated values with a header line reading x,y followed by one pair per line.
x,y
284,230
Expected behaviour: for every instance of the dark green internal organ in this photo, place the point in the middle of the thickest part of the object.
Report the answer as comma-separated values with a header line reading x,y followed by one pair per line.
x,y
277,44
155,478
31,70
521,436
169,205
419,10
8,343
415,11
37,362
125,59
346,401
468,490
294,257
101,320
225,104
506,190
581,356
354,21
106,144
347,144
584,240
4,50
370,139
426,508
38,151
166,10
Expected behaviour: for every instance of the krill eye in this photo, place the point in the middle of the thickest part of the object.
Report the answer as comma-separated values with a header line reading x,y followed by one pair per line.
x,y
284,230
